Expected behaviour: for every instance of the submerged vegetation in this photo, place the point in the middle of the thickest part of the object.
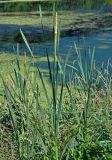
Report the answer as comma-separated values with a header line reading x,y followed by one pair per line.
x,y
63,113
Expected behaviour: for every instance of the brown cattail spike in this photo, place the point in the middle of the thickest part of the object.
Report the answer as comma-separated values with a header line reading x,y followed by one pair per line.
x,y
56,24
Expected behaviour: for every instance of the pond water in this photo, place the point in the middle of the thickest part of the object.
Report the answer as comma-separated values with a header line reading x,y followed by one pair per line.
x,y
102,43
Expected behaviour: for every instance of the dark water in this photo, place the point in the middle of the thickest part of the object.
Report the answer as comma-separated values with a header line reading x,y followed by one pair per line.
x,y
102,43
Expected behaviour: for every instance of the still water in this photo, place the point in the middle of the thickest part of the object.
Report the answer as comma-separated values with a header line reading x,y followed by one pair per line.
x,y
102,44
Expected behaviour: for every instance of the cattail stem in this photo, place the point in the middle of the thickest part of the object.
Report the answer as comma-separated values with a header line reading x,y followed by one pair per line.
x,y
55,36
24,63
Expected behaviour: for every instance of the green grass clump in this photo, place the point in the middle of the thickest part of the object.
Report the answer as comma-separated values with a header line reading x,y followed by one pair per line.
x,y
73,123
56,117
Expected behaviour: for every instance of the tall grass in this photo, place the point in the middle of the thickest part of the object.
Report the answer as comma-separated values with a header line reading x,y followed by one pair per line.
x,y
75,120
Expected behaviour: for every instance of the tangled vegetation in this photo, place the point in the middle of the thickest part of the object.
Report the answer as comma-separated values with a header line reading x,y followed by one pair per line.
x,y
74,122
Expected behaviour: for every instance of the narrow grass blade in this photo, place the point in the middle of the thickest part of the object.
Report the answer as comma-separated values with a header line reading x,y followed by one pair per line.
x,y
26,42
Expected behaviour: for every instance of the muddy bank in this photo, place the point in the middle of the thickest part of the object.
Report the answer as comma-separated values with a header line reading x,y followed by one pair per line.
x,y
89,23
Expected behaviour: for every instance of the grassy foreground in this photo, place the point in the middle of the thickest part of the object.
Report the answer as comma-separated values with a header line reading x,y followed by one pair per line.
x,y
75,121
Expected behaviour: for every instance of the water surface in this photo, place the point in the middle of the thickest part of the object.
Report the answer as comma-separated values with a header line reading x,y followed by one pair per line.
x,y
102,43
